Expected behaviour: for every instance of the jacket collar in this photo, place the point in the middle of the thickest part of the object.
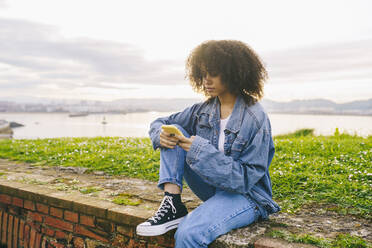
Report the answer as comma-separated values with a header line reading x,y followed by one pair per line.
x,y
235,121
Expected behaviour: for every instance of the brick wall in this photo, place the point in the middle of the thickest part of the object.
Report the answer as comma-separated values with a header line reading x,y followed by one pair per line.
x,y
31,216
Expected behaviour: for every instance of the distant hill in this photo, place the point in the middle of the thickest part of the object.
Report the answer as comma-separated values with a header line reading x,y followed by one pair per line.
x,y
156,104
319,106
313,106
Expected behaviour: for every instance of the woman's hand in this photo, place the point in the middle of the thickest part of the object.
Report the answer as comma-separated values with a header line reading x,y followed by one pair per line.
x,y
184,142
167,140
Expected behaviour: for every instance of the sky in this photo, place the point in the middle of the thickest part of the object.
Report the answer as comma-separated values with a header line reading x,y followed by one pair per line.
x,y
108,50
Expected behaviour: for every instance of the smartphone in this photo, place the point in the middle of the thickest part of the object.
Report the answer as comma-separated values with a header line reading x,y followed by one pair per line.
x,y
172,130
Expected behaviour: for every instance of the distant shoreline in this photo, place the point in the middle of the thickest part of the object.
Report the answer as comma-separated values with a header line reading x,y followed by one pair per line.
x,y
146,111
318,113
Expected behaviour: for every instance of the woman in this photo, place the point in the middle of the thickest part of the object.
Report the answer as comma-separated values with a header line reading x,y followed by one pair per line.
x,y
225,153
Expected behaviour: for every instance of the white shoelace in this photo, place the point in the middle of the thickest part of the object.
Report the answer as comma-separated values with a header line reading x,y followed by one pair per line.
x,y
163,208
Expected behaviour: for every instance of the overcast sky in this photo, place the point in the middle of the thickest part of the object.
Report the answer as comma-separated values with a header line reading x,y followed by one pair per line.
x,y
108,50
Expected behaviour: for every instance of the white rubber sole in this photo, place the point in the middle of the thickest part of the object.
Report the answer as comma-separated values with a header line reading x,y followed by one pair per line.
x,y
145,230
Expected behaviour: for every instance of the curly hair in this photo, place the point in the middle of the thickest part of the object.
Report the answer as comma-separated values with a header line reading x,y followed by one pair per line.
x,y
240,68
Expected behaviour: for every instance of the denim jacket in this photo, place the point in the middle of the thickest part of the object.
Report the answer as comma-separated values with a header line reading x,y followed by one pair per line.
x,y
243,167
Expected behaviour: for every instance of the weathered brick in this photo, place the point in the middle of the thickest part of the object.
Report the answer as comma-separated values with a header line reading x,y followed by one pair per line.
x,y
136,244
5,199
17,202
55,244
35,225
21,232
32,238
10,231
3,206
33,216
86,220
57,223
42,208
15,233
60,235
104,225
123,216
86,232
166,239
1,222
29,205
126,230
5,224
120,241
155,246
26,236
71,216
78,242
14,210
47,231
92,243
57,212
38,240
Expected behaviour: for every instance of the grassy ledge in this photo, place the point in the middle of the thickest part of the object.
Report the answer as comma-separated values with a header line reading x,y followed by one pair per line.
x,y
341,241
332,171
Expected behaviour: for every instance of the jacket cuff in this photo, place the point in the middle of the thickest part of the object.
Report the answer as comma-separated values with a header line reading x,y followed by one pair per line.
x,y
155,138
195,148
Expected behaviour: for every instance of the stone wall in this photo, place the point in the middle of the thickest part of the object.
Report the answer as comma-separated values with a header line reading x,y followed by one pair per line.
x,y
43,206
33,217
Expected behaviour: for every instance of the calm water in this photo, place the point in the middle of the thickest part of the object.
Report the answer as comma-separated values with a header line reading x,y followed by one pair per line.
x,y
49,125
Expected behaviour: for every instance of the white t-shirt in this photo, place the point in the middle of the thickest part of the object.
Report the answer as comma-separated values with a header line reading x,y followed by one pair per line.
x,y
221,139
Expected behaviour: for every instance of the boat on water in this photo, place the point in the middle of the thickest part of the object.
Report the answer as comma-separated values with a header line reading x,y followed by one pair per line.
x,y
104,121
5,131
77,114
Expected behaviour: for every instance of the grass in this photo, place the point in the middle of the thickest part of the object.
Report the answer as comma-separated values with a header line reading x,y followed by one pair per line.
x,y
89,190
332,171
126,199
341,240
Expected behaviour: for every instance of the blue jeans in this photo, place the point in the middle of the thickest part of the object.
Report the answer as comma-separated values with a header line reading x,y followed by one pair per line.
x,y
220,212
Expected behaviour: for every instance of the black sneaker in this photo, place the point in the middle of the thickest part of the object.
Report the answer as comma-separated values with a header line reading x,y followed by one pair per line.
x,y
168,216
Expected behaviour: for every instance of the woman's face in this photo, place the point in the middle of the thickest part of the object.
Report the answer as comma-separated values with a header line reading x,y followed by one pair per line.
x,y
213,85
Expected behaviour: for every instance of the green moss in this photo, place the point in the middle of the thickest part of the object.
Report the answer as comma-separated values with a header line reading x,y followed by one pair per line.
x,y
124,200
341,240
88,190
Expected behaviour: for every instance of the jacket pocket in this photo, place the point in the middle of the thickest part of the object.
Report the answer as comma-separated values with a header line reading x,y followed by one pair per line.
x,y
237,147
202,125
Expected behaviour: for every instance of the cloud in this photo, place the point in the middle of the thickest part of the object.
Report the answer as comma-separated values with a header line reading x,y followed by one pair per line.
x,y
3,4
34,55
37,51
340,61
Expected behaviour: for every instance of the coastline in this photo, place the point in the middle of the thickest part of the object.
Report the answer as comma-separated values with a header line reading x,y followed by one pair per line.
x,y
167,111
